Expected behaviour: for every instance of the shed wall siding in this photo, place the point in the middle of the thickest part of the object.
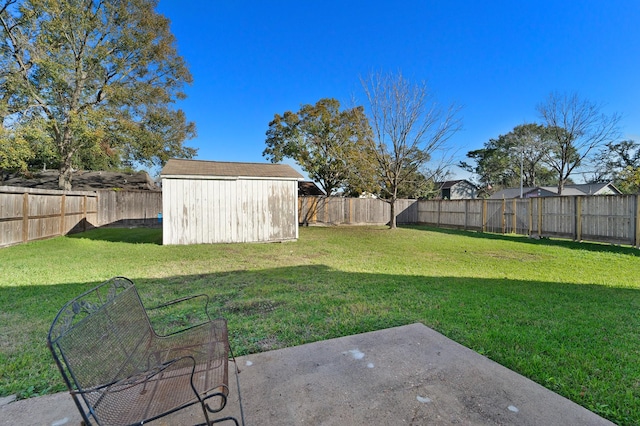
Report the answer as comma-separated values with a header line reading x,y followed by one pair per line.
x,y
463,191
197,211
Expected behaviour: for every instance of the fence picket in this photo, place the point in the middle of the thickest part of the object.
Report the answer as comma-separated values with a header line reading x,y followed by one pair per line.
x,y
29,214
606,218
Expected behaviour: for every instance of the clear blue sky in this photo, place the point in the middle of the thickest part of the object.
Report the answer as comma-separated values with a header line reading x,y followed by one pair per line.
x,y
496,59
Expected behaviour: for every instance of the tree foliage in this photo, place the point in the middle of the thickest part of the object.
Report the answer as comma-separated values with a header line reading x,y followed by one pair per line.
x,y
15,154
615,159
577,128
500,162
628,180
324,141
95,79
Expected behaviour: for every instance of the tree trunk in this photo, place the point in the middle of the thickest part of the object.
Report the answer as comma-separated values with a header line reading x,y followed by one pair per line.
x,y
392,222
66,154
64,178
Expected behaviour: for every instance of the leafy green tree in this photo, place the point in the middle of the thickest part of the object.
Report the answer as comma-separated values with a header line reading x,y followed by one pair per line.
x,y
628,180
324,141
577,128
409,126
500,162
15,154
99,77
615,159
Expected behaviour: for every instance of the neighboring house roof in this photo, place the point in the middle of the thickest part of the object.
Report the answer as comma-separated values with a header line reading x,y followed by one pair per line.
x,y
597,188
309,189
550,191
511,193
451,183
86,181
179,167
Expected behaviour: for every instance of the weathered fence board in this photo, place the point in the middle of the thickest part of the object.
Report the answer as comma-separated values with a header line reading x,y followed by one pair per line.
x,y
349,211
407,212
129,208
28,214
429,212
611,219
32,214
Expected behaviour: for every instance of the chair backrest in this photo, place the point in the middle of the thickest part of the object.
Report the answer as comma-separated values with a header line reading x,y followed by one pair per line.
x,y
99,337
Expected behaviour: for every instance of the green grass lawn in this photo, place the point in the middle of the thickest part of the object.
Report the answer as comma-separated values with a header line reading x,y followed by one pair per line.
x,y
566,315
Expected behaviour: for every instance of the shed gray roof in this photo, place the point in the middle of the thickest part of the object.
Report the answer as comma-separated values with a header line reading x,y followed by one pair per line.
x,y
179,167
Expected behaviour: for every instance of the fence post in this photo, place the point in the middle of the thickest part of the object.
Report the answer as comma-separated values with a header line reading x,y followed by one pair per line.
x,y
530,216
578,204
504,216
350,211
84,213
63,212
539,216
314,214
326,210
637,222
484,215
25,217
466,214
515,217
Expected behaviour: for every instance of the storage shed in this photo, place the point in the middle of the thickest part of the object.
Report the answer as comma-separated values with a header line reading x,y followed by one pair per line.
x,y
220,202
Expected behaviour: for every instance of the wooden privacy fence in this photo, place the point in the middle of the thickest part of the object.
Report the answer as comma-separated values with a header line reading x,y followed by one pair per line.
x,y
29,214
33,214
610,219
129,208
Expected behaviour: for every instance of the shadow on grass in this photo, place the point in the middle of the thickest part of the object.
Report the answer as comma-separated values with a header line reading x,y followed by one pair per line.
x,y
140,235
566,337
589,246
154,236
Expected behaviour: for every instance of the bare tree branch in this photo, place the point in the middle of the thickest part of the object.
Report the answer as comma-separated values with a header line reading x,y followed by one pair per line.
x,y
577,127
408,125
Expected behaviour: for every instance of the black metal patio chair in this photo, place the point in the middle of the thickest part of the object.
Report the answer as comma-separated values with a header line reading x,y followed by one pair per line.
x,y
119,371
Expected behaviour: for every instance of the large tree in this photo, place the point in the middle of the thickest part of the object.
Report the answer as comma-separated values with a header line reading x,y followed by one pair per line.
x,y
96,78
628,180
502,162
15,154
577,128
615,158
409,126
324,141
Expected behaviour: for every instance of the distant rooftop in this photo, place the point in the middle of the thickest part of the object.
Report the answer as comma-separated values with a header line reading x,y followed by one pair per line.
x,y
85,181
308,188
550,191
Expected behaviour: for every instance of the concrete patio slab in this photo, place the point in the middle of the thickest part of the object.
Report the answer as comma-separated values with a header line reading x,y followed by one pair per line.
x,y
406,375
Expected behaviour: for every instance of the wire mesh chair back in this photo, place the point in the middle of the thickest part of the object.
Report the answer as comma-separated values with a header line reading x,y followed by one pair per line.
x,y
101,332
109,355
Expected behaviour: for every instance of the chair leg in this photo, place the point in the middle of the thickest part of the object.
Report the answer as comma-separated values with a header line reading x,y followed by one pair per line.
x,y
206,409
237,373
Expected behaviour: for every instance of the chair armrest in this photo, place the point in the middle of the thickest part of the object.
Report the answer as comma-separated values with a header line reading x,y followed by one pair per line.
x,y
173,316
183,299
